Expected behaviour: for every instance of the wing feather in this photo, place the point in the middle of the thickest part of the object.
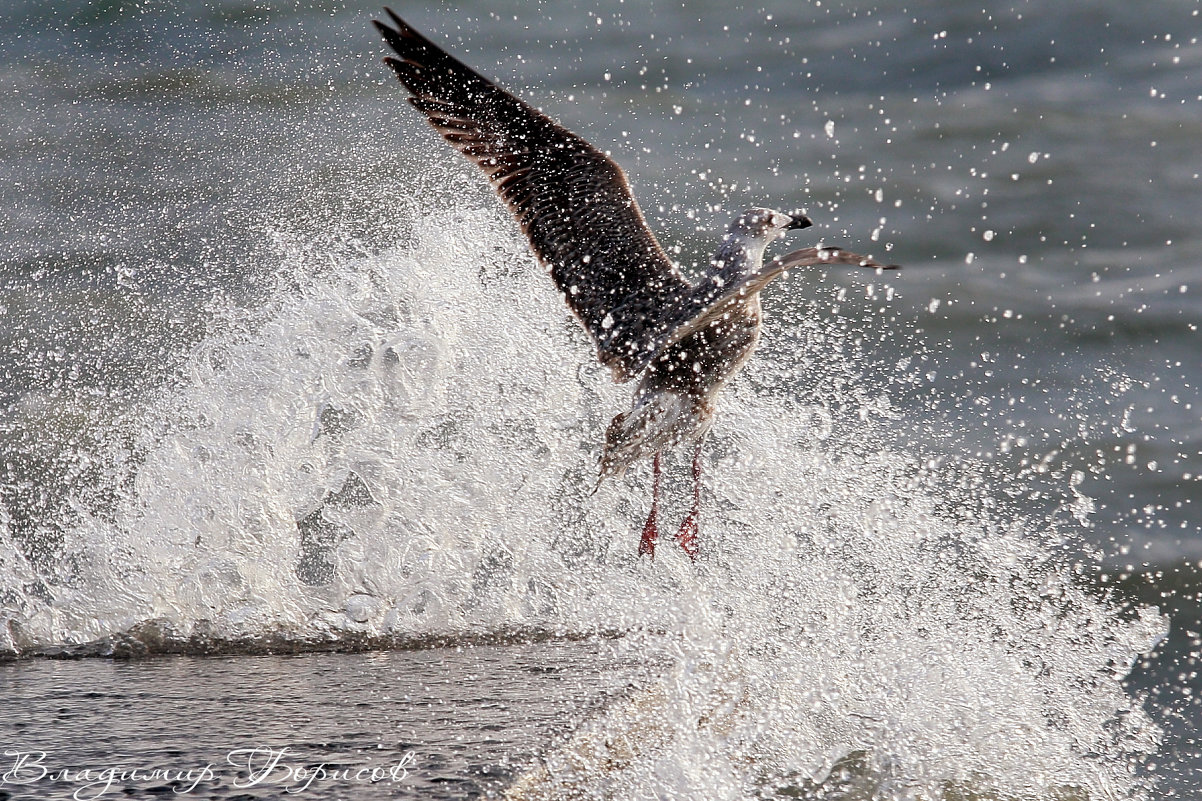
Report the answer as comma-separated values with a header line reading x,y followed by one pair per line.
x,y
572,201
708,302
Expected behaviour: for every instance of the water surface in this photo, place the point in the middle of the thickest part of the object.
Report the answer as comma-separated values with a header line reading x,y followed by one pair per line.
x,y
277,374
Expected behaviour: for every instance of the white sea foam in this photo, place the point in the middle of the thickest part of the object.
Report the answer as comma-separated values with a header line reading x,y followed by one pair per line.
x,y
405,444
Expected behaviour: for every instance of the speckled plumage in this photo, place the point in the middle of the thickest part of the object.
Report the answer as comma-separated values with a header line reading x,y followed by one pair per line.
x,y
683,340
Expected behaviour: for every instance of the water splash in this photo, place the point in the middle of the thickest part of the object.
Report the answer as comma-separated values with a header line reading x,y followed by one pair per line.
x,y
402,446
858,643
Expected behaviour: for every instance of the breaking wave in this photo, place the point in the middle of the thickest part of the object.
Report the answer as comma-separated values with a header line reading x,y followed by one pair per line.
x,y
399,449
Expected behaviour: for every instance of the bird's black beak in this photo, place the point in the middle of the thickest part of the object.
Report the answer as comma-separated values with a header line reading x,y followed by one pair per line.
x,y
799,221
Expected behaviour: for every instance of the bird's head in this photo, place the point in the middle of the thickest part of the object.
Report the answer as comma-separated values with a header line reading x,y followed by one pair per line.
x,y
766,225
742,249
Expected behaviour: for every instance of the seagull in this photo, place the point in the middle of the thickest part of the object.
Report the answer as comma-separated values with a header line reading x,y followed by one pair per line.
x,y
684,340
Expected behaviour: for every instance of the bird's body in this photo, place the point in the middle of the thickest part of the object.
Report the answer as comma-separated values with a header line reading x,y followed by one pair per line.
x,y
674,399
716,329
683,340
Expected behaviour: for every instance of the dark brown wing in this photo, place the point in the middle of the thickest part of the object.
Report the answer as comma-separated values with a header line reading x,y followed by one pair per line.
x,y
572,202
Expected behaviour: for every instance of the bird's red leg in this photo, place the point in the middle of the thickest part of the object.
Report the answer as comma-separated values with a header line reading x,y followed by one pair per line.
x,y
650,529
687,536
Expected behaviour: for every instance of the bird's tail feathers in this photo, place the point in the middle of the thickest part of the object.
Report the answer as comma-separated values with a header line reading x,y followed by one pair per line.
x,y
662,420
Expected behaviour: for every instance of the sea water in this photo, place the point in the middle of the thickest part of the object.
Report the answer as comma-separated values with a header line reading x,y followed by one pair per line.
x,y
281,377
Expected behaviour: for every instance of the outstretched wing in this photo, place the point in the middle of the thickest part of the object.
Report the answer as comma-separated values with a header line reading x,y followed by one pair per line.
x,y
821,257
571,200
710,301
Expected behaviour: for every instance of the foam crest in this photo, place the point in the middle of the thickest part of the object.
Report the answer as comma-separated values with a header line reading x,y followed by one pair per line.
x,y
401,446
